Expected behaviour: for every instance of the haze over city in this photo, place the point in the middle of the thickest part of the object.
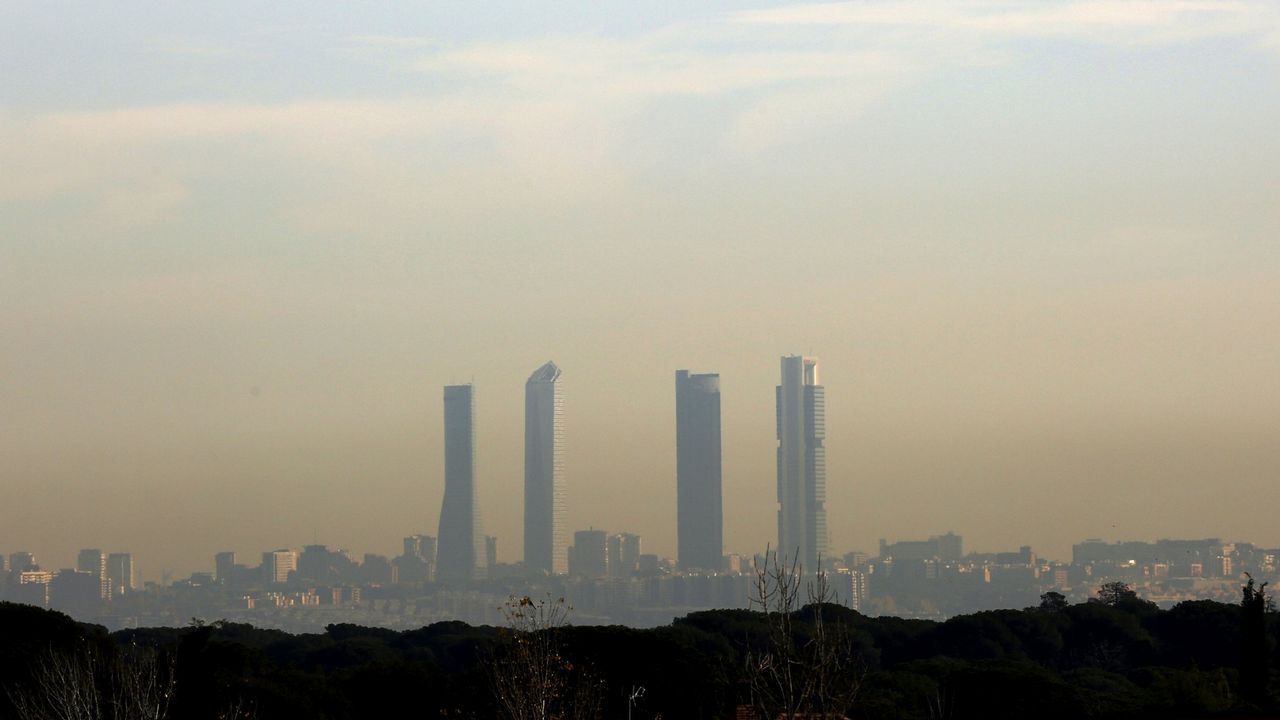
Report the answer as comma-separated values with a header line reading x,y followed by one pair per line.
x,y
242,248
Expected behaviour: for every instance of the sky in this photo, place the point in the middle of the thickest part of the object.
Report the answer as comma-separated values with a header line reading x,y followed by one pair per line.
x,y
1034,244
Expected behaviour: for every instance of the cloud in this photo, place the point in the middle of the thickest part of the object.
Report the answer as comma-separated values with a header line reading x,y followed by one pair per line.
x,y
322,120
773,91
568,108
1126,22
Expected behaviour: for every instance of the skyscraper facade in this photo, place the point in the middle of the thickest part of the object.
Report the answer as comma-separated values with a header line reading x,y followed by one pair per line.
x,y
460,541
699,510
624,554
545,547
589,556
224,564
802,463
277,565
94,561
21,562
120,574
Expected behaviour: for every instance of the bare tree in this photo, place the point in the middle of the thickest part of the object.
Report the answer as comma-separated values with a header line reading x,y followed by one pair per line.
x,y
532,677
143,684
238,709
807,667
63,686
137,684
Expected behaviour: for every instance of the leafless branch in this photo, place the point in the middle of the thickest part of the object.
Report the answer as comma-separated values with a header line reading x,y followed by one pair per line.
x,y
137,684
792,675
532,677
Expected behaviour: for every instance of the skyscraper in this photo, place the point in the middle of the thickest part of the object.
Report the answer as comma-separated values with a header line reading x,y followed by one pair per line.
x,y
94,561
802,463
460,544
21,562
421,546
624,554
699,511
224,564
589,556
277,565
545,549
120,574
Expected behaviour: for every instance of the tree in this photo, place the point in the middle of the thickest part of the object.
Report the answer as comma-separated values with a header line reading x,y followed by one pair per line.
x,y
1053,602
64,686
807,667
1116,593
135,684
532,677
1254,654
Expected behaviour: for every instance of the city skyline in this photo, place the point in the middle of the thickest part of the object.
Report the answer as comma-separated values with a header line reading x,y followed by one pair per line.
x,y
612,581
460,434
242,246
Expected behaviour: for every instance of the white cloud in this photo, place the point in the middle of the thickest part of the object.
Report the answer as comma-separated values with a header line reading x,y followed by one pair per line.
x,y
565,108
1108,21
321,120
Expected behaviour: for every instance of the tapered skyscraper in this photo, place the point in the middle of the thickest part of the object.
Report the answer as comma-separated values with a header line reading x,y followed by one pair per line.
x,y
460,540
802,463
545,547
699,513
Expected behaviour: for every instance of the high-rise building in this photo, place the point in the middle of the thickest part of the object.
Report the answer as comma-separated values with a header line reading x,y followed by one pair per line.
x,y
120,575
32,587
318,565
277,564
624,554
420,546
699,510
94,562
850,588
802,463
378,570
950,546
588,557
224,564
21,562
460,545
419,557
490,551
76,592
544,532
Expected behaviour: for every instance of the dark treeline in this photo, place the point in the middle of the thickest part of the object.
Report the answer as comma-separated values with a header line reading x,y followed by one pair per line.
x,y
1115,657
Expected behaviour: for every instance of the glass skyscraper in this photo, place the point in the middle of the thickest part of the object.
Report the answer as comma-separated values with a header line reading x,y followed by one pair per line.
x,y
545,547
460,549
699,510
802,463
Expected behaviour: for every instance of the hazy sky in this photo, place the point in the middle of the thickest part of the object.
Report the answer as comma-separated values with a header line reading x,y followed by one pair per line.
x,y
1035,245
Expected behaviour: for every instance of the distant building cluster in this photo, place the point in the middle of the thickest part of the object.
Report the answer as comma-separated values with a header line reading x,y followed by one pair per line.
x,y
97,581
610,579
606,575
